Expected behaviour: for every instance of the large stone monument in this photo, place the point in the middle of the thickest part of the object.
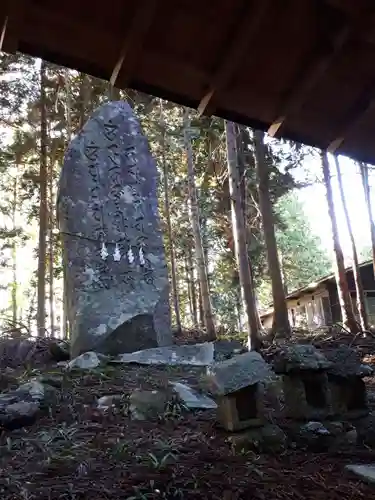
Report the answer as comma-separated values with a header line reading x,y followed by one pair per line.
x,y
116,274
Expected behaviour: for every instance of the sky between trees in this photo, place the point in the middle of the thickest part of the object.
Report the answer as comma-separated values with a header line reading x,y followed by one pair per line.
x,y
69,98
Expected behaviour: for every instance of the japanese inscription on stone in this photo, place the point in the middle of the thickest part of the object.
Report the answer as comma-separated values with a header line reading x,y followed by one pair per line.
x,y
122,241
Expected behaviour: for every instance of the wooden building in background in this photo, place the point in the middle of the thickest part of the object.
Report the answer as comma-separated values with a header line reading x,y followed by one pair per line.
x,y
317,304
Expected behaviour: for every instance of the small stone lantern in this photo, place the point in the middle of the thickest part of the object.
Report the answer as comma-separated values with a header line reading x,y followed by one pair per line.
x,y
345,379
236,385
305,382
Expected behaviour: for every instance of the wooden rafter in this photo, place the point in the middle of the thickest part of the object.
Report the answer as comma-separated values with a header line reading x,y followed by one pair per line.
x,y
363,18
3,31
244,34
132,45
351,125
12,25
348,6
311,77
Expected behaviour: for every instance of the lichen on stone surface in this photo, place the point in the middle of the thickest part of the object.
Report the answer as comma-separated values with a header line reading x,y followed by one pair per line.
x,y
236,373
301,357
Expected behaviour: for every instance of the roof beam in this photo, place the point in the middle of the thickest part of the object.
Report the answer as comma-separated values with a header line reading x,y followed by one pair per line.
x,y
244,34
363,17
349,7
11,28
351,124
3,31
311,77
132,45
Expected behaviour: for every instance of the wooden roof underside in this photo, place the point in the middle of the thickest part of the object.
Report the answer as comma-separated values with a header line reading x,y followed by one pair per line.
x,y
300,69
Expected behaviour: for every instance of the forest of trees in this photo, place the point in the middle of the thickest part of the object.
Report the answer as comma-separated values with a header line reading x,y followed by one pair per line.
x,y
236,235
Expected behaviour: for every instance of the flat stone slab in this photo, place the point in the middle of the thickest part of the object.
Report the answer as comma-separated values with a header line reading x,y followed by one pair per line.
x,y
346,363
301,357
193,355
193,399
236,373
364,472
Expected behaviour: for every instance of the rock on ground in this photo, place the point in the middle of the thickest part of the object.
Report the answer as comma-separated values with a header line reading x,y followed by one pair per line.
x,y
148,405
21,406
60,350
16,352
110,401
86,361
269,439
364,472
323,436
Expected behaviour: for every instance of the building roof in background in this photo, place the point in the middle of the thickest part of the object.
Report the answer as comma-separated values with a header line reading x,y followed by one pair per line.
x,y
301,69
312,287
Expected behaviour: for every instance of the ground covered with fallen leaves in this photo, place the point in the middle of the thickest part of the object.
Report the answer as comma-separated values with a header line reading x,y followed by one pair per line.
x,y
76,451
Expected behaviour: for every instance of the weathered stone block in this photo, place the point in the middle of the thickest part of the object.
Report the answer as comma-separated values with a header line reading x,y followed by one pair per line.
x,y
348,397
241,409
301,357
236,383
307,395
269,439
116,273
346,363
21,406
238,372
146,405
366,430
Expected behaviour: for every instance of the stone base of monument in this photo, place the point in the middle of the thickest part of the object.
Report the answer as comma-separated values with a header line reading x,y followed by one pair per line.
x,y
129,336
